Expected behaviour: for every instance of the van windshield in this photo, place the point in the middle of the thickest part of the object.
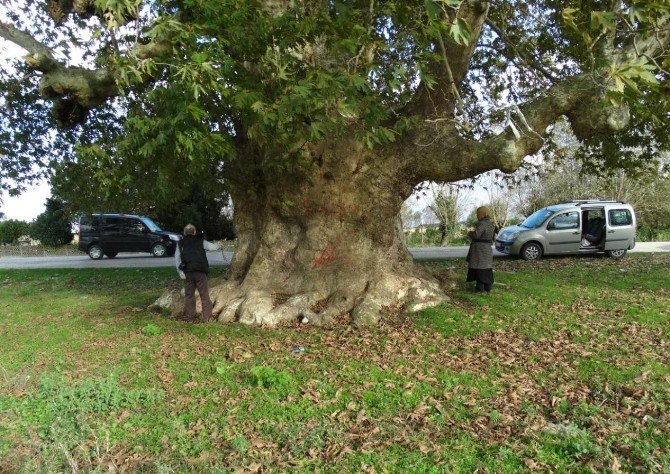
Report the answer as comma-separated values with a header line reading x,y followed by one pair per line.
x,y
537,218
150,224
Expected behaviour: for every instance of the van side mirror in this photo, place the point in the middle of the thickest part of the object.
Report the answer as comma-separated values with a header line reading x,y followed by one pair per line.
x,y
551,225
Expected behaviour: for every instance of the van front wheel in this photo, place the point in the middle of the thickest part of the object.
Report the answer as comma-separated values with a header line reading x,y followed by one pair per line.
x,y
616,254
531,251
159,250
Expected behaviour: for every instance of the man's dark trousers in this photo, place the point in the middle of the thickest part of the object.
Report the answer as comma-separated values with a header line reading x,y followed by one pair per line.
x,y
197,280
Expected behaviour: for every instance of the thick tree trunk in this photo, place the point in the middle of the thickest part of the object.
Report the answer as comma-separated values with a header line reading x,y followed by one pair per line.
x,y
320,244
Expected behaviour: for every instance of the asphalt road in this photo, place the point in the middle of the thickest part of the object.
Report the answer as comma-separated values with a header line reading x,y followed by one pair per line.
x,y
138,260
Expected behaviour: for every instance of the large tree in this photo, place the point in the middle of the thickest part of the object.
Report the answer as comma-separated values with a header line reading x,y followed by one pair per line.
x,y
320,116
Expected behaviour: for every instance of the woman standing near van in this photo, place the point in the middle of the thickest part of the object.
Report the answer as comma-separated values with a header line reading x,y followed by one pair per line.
x,y
480,253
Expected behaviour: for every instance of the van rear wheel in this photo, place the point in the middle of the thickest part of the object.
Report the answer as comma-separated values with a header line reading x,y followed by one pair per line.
x,y
531,251
95,252
159,250
616,254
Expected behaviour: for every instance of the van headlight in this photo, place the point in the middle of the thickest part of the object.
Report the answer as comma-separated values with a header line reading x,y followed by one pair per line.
x,y
174,237
510,236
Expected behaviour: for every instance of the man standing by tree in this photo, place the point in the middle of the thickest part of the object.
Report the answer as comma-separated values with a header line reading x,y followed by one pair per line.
x,y
193,267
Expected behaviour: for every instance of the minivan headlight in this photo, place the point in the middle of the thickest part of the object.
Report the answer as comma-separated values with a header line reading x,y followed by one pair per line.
x,y
174,237
510,236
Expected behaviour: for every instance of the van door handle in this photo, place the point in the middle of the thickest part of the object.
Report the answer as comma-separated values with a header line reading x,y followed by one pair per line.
x,y
610,231
575,233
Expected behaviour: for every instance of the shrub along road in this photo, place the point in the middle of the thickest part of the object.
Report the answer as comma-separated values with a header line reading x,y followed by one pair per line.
x,y
140,260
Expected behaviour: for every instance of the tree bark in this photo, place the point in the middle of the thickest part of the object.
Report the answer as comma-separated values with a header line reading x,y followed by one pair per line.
x,y
322,242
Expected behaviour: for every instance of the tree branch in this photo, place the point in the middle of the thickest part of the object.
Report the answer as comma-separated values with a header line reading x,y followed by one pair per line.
x,y
436,152
40,56
74,90
529,60
450,71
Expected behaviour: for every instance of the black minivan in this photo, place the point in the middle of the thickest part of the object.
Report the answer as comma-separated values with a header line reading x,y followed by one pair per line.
x,y
109,234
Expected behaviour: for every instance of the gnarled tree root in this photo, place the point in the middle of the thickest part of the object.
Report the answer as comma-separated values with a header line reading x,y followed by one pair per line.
x,y
365,305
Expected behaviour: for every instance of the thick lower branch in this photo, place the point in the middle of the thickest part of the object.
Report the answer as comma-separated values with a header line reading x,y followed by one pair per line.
x,y
441,155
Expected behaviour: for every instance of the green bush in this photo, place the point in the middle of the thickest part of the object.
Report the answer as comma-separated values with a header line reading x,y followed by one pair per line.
x,y
11,230
651,234
53,227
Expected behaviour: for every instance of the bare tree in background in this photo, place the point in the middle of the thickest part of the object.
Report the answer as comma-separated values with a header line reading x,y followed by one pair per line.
x,y
500,199
448,204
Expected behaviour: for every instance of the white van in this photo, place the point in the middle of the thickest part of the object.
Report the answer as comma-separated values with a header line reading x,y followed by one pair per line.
x,y
574,227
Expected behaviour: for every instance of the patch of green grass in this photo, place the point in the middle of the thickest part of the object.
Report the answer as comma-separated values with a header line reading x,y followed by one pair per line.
x,y
89,377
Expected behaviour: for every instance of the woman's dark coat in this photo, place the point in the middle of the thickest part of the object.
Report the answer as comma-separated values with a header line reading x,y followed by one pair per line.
x,y
480,254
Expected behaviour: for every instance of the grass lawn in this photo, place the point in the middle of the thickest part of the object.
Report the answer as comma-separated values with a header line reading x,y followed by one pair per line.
x,y
563,367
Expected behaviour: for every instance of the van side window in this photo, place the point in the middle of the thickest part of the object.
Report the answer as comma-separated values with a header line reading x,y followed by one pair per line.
x,y
619,217
134,226
569,220
112,224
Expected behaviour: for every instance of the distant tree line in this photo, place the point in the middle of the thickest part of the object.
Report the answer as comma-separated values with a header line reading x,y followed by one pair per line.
x,y
54,226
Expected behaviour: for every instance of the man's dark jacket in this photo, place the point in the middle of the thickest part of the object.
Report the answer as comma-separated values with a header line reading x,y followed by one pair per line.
x,y
193,256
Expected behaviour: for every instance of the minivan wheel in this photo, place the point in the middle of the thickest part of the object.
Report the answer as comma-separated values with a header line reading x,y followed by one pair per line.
x,y
95,252
159,250
617,254
531,251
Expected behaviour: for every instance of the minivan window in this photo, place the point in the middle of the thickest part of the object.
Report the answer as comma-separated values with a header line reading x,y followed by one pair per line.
x,y
150,224
537,218
620,217
569,220
135,226
112,224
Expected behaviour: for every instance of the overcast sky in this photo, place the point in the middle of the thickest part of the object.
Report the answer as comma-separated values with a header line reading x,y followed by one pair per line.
x,y
28,205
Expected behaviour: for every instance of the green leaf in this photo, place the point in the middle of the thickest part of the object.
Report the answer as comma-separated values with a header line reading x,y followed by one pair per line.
x,y
346,110
461,32
603,21
619,84
636,14
258,107
316,131
568,15
197,90
648,77
433,10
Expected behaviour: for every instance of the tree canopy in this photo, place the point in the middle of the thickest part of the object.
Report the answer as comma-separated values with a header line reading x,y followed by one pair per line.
x,y
125,89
